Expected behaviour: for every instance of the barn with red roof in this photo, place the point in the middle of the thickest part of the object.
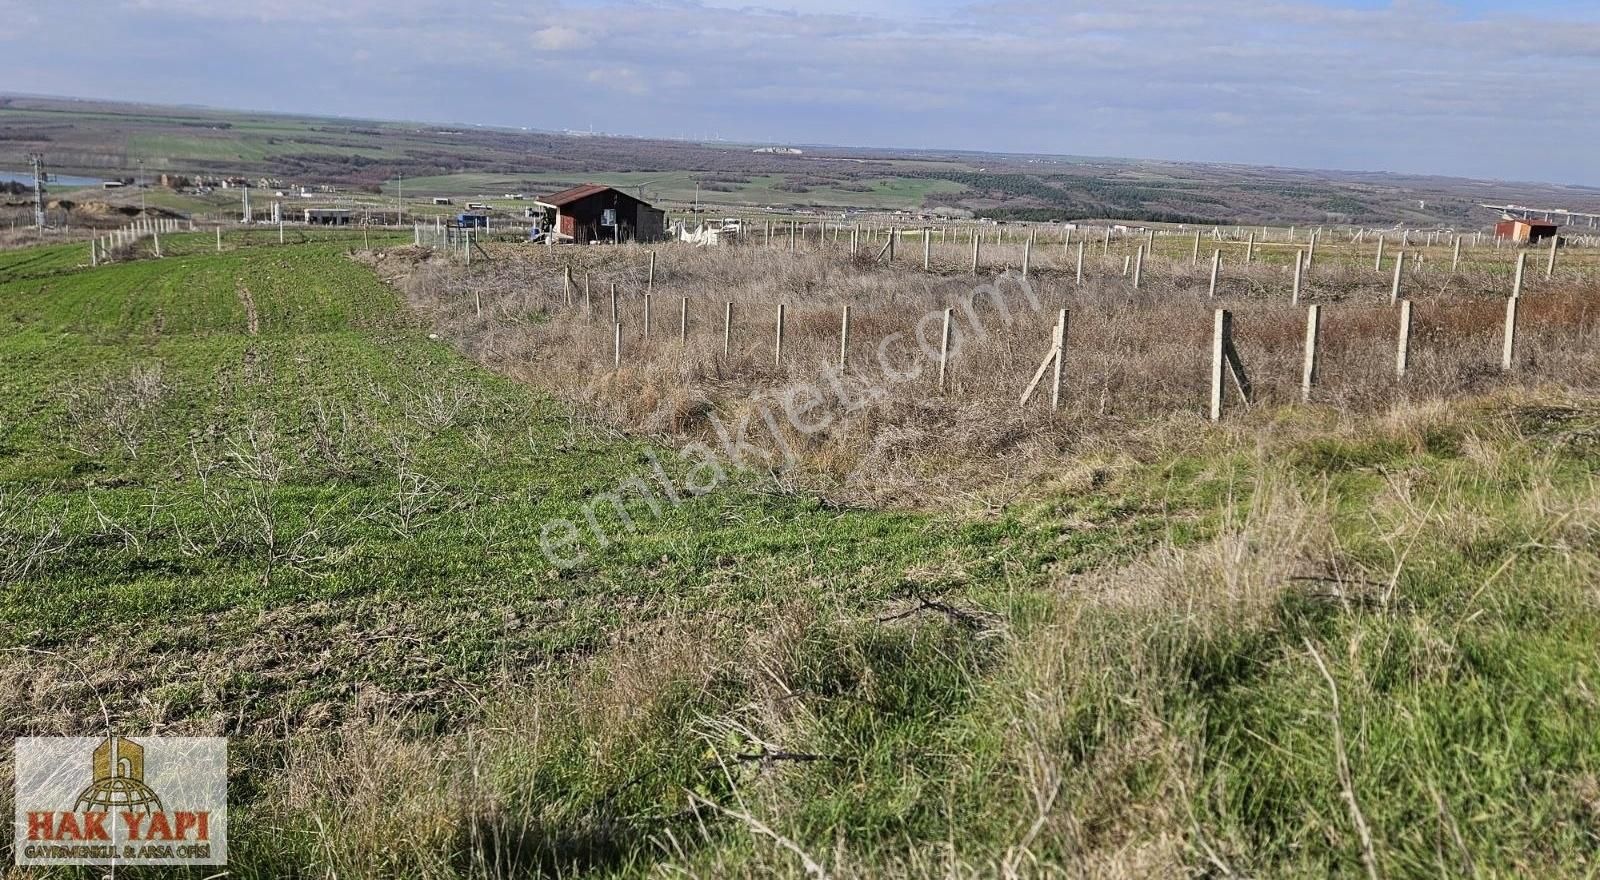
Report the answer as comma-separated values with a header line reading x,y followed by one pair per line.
x,y
594,212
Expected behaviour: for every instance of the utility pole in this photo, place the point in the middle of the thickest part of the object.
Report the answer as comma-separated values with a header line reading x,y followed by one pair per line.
x,y
38,191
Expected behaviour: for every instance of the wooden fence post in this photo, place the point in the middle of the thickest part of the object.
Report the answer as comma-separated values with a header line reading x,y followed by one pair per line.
x,y
1027,256
727,330
1138,267
1455,258
1516,281
975,245
1080,262
1377,265
927,249
1508,347
1216,267
944,348
650,279
1194,258
844,339
1250,250
566,284
1308,372
1550,267
616,346
1399,267
588,301
1311,252
1402,346
219,239
647,316
683,320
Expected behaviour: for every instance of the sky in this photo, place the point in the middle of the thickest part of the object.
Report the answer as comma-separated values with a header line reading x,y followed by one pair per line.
x,y
1504,90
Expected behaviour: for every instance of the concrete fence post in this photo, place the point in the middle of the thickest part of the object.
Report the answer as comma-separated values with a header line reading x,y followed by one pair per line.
x,y
777,348
1308,370
944,348
1508,346
844,339
1402,346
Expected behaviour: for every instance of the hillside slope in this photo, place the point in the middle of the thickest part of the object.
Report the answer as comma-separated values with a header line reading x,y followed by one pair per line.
x,y
247,494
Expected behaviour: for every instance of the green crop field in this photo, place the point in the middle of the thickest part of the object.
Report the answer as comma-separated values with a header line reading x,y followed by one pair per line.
x,y
249,494
679,188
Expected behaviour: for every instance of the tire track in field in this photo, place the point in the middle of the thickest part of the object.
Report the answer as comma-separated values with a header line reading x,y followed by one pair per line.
x,y
252,318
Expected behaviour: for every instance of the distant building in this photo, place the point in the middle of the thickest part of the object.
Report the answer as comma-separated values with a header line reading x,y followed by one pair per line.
x,y
441,200
601,213
328,216
1526,231
112,184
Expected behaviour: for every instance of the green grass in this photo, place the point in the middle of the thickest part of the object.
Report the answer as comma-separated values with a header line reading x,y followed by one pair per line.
x,y
253,494
890,193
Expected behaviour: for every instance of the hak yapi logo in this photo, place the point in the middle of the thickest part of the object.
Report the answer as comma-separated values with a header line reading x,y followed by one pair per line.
x,y
158,802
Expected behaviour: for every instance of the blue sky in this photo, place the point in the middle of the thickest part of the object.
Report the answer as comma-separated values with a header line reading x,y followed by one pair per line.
x,y
1472,88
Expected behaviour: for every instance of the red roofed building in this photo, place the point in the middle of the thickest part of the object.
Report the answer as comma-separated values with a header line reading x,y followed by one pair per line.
x,y
1523,230
601,213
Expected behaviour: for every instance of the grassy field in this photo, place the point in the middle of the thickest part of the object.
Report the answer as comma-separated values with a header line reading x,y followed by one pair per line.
x,y
679,188
249,494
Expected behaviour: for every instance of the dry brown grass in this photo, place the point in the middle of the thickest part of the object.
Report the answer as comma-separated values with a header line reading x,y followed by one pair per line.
x,y
1134,357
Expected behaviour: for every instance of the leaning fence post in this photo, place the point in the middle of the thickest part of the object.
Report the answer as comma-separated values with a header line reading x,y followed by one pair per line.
x,y
1377,265
566,284
1194,258
1216,266
1455,258
1550,267
1399,267
1509,342
1138,266
975,246
1402,346
1250,250
1516,282
1308,372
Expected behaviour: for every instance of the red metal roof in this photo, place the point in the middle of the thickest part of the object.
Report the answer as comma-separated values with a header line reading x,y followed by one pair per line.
x,y
577,193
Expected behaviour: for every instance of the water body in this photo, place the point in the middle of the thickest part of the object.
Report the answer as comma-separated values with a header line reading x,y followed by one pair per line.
x,y
52,181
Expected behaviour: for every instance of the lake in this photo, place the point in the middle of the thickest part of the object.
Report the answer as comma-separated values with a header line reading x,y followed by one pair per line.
x,y
53,180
